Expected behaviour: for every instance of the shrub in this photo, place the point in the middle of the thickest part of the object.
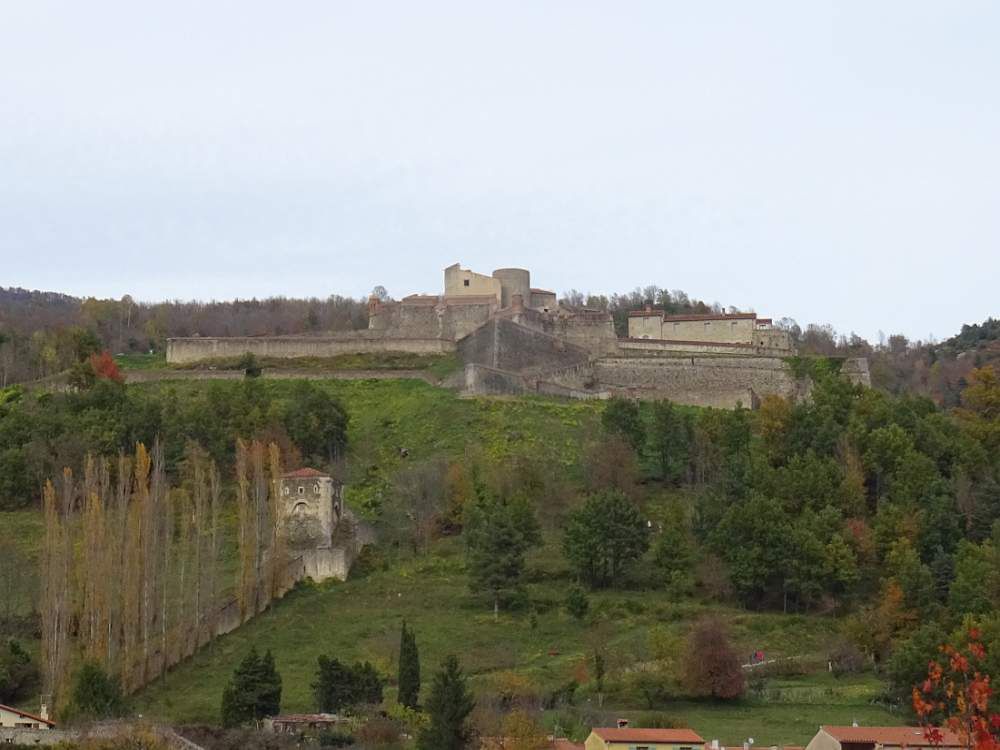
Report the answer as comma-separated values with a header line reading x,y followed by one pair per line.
x,y
577,603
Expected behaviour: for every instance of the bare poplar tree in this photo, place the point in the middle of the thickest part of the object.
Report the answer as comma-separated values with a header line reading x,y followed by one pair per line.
x,y
248,533
55,596
279,555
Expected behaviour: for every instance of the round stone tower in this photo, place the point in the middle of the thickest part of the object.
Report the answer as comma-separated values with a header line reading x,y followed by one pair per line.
x,y
513,281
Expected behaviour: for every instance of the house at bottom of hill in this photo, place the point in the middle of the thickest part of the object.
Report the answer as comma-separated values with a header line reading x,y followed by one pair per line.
x,y
14,718
624,737
879,738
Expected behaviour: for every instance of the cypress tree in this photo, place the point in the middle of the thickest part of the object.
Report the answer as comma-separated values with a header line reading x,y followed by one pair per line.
x,y
449,707
409,669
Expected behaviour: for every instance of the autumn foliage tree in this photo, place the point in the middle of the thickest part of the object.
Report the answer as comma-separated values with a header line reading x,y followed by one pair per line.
x,y
957,696
711,667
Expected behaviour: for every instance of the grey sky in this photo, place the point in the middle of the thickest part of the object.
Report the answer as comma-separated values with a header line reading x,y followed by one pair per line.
x,y
830,161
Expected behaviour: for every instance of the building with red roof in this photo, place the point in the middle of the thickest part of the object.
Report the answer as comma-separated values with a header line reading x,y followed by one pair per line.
x,y
878,738
634,738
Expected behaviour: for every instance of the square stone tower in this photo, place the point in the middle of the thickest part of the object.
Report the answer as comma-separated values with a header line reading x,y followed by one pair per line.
x,y
312,506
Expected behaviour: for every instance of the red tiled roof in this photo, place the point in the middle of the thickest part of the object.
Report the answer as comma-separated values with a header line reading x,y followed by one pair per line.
x,y
26,715
629,734
304,473
898,736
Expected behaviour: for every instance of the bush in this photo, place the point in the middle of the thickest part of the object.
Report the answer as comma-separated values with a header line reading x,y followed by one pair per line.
x,y
845,658
332,738
18,673
577,603
95,694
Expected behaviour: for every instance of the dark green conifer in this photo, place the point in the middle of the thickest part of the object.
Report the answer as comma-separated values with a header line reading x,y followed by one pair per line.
x,y
448,708
409,669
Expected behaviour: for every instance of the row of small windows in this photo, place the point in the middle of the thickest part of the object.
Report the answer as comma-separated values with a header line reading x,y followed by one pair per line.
x,y
302,490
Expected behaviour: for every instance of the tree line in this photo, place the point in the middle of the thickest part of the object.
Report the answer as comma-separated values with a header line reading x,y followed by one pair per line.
x,y
41,333
131,563
41,433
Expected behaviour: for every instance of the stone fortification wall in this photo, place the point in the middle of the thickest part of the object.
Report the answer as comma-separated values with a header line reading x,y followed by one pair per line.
x,y
594,332
487,381
481,380
431,317
506,345
774,339
700,381
657,347
187,350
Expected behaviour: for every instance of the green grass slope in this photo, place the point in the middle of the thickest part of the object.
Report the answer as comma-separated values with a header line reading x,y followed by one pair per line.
x,y
540,643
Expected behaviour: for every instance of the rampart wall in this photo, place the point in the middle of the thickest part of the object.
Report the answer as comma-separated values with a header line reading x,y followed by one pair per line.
x,y
506,345
700,381
430,317
594,332
187,350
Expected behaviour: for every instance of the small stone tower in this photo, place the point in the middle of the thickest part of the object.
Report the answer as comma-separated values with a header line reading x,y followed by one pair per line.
x,y
313,506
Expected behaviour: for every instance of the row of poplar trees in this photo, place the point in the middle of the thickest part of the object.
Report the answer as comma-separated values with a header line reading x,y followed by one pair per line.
x,y
131,563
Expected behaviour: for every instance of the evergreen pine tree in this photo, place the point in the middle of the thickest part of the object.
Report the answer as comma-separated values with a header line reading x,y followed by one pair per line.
x,y
448,707
409,669
269,696
253,692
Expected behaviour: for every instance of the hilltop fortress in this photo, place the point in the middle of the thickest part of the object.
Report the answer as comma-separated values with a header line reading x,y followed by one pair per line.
x,y
513,338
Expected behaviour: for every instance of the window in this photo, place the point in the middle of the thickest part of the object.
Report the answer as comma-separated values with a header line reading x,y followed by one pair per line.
x,y
316,488
288,491
465,282
302,490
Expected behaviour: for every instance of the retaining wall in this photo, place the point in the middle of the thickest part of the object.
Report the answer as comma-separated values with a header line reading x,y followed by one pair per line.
x,y
506,345
196,349
701,381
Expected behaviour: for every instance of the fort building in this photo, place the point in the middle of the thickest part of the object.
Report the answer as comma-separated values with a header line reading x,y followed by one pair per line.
x,y
318,528
512,337
736,329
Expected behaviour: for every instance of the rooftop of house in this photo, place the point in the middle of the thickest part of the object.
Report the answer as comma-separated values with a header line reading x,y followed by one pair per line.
x,y
631,734
307,718
897,736
26,715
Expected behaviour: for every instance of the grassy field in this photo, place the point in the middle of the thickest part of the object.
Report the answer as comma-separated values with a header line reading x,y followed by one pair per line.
x,y
540,644
360,619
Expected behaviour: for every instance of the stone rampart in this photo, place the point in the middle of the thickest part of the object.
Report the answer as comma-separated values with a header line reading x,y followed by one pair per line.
x,y
640,347
481,380
197,349
507,345
701,381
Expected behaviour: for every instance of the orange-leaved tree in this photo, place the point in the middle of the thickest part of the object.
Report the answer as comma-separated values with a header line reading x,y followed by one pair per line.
x,y
956,696
105,367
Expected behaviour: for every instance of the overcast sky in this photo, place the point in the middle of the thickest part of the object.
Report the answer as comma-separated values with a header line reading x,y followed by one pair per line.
x,y
835,162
